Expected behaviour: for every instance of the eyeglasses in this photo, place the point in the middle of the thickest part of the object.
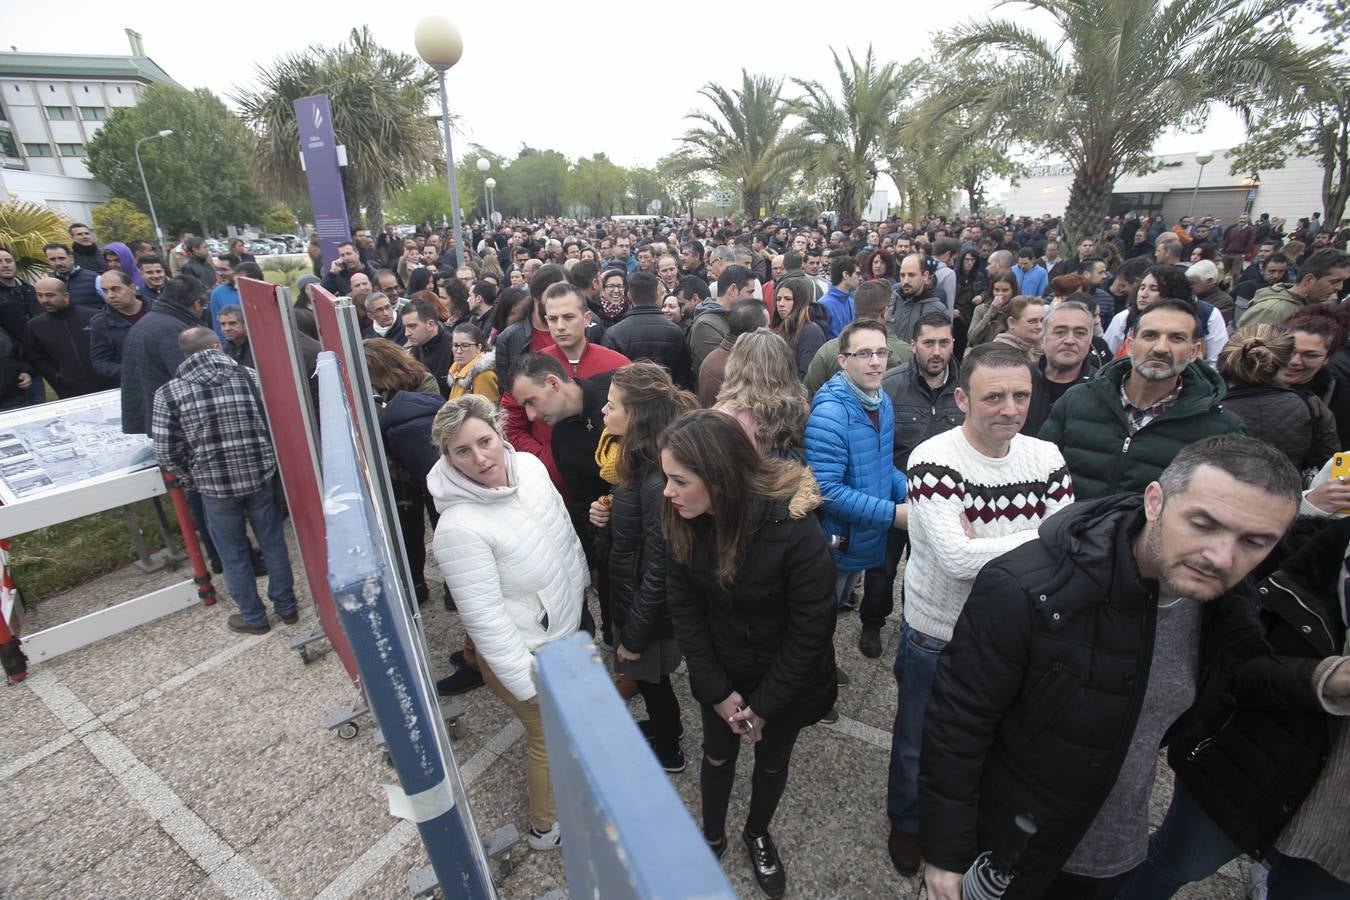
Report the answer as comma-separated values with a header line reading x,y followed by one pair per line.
x,y
462,346
865,355
618,288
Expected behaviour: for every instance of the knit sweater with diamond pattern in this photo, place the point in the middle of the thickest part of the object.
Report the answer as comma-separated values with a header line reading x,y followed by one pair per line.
x,y
1005,500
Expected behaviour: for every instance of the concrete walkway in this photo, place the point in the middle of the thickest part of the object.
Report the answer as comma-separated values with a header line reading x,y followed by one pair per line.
x,y
182,760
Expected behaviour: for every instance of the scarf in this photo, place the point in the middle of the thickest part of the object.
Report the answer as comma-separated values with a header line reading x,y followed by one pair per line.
x,y
611,309
607,456
870,402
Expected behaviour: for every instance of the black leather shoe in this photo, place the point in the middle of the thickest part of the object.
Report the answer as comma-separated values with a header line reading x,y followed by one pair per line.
x,y
768,868
869,641
461,681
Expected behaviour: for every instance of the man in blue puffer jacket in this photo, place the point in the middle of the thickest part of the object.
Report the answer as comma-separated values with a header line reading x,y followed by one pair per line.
x,y
848,446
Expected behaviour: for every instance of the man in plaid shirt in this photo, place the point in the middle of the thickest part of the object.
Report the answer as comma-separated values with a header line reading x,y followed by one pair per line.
x,y
210,431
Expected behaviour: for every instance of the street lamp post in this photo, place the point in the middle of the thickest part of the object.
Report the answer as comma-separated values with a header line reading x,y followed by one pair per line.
x,y
1203,159
440,45
490,185
154,220
483,165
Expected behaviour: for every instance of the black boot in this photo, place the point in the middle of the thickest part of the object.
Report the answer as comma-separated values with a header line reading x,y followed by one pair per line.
x,y
764,861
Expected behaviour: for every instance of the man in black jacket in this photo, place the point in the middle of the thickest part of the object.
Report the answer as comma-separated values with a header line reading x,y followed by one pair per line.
x,y
1065,361
644,333
338,280
923,394
109,327
1072,658
81,284
83,249
56,343
428,342
151,354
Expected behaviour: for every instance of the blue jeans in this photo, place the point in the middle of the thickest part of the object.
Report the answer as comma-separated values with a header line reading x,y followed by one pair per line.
x,y
844,583
1188,846
915,663
225,521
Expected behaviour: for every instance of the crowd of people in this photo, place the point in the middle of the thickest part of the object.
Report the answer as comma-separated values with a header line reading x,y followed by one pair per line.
x,y
1114,480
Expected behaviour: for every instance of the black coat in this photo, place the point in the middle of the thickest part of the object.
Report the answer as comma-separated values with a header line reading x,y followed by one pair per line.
x,y
514,342
920,411
573,442
1036,696
82,285
1038,410
150,357
11,366
1297,424
1250,749
395,333
770,635
1331,385
339,283
635,551
18,304
56,344
108,332
88,257
437,355
645,333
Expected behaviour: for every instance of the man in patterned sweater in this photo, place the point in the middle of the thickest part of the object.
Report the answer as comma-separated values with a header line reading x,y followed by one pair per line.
x,y
975,492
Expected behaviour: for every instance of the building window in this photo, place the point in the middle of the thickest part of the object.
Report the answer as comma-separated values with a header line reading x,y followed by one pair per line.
x,y
60,113
71,149
93,113
37,150
7,146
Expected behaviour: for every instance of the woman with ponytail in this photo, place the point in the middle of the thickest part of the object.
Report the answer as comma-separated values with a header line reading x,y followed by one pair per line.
x,y
1298,424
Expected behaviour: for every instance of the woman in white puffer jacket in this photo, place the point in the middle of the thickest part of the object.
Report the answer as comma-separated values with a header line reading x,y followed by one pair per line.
x,y
508,552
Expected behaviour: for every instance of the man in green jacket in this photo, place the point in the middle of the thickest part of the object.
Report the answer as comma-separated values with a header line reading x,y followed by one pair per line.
x,y
1119,431
1320,279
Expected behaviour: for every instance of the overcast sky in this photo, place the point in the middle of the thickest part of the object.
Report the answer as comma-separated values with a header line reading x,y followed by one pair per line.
x,y
525,76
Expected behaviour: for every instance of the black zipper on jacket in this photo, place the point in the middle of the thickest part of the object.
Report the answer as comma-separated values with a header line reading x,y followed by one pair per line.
x,y
1331,641
1205,742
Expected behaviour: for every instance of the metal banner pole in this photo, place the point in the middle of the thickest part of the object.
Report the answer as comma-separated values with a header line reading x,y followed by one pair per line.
x,y
375,616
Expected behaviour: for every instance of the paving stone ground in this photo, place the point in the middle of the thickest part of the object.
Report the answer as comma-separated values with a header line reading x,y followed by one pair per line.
x,y
182,760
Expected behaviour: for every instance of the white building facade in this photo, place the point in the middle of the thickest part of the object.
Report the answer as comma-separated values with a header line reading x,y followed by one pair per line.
x,y
1293,192
51,105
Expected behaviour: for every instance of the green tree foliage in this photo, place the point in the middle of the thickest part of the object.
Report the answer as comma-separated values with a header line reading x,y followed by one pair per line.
x,y
469,181
279,220
680,181
1315,123
596,184
198,176
379,99
120,220
1112,77
743,139
534,185
644,186
24,229
424,201
843,140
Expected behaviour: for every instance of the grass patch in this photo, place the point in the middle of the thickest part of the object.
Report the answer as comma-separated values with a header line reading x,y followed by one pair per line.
x,y
48,561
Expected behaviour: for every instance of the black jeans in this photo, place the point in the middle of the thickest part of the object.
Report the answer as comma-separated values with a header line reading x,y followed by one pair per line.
x,y
772,755
879,584
1079,887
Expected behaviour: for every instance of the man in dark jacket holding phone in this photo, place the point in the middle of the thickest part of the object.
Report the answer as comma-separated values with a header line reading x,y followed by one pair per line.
x,y
1074,656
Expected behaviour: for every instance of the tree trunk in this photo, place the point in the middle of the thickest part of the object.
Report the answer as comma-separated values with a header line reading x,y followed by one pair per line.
x,y
375,214
1336,176
1089,203
750,202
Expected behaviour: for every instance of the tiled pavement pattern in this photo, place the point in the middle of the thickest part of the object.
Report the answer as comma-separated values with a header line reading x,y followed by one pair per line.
x,y
182,760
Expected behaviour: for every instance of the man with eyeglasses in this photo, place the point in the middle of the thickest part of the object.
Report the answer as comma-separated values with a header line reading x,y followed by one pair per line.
x,y
849,437
385,321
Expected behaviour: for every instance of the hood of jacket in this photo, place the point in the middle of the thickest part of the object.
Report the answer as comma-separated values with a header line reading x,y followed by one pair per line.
x,y
709,306
1086,532
409,406
208,367
804,498
480,364
1276,293
450,487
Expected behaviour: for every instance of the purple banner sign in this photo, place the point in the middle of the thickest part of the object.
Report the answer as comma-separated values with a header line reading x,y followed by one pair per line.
x,y
319,156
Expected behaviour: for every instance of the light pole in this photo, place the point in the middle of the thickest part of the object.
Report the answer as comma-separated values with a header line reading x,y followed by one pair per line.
x,y
490,185
440,45
1203,159
154,220
483,165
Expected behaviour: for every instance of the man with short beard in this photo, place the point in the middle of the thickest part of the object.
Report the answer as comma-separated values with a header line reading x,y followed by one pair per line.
x,y
1066,338
1075,654
153,276
1123,427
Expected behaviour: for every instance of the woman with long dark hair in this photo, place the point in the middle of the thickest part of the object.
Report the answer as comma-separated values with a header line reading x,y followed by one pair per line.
x,y
750,586
642,402
879,265
791,320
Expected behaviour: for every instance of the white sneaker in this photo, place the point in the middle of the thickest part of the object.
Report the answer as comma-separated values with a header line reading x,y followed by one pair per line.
x,y
547,840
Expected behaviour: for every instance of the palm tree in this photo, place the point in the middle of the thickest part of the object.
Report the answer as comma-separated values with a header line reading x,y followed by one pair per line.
x,y
1118,73
25,228
843,141
743,139
379,100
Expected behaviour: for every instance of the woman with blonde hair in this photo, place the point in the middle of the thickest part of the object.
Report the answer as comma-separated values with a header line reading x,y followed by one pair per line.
x,y
1298,424
750,587
492,266
791,320
760,393
507,549
642,402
